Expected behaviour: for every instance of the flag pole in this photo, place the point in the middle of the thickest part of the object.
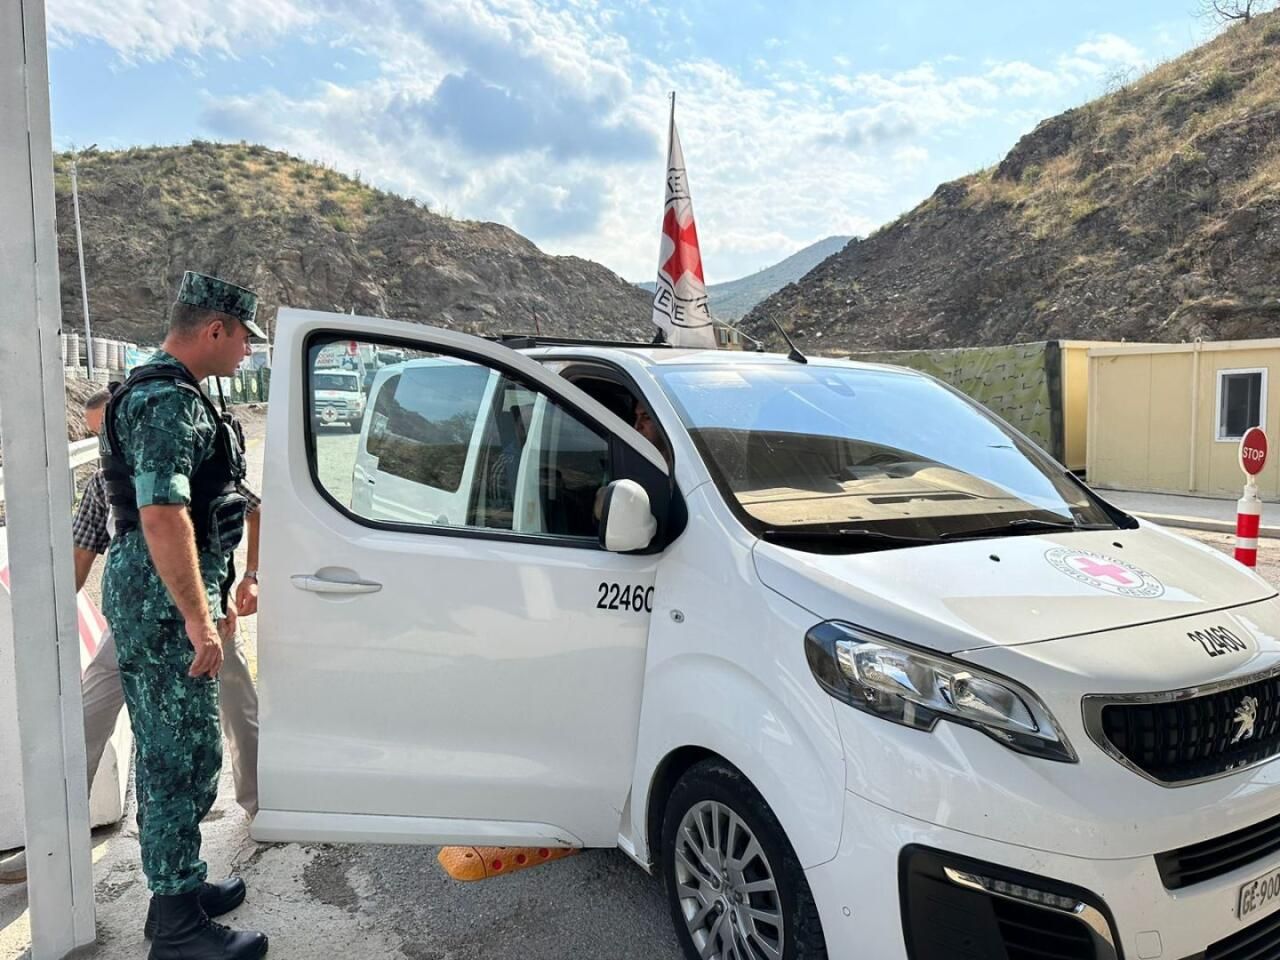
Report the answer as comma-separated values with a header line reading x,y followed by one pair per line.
x,y
671,127
661,335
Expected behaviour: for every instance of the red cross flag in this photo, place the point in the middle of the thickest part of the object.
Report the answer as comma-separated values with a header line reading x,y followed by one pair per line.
x,y
680,306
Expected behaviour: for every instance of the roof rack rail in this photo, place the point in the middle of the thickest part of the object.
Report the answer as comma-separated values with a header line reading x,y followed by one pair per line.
x,y
524,341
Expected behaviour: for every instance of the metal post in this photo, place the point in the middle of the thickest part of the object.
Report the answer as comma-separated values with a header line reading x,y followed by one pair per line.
x,y
1248,523
33,433
84,287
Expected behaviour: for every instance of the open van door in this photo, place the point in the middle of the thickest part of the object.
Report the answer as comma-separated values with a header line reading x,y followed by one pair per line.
x,y
462,676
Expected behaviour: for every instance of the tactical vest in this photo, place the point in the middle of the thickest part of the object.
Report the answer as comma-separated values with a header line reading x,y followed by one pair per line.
x,y
217,507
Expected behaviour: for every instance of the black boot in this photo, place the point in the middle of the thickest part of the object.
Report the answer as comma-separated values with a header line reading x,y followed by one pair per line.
x,y
184,932
215,900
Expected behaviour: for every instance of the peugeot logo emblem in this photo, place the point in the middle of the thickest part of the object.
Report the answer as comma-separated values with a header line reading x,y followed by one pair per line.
x,y
1246,717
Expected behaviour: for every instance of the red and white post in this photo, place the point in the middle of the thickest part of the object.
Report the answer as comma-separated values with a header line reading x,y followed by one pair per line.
x,y
1248,519
1253,457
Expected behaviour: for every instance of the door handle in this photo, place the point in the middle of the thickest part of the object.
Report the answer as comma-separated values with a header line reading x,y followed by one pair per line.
x,y
313,583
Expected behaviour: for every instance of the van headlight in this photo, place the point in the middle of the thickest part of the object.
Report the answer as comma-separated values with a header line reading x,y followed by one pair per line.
x,y
917,688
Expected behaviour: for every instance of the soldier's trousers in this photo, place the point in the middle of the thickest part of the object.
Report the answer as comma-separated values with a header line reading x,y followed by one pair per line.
x,y
237,705
178,745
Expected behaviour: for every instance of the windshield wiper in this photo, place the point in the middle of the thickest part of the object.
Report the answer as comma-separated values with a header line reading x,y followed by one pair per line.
x,y
847,535
1023,525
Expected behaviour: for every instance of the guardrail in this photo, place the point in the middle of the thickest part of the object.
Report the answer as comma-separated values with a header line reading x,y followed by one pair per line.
x,y
79,452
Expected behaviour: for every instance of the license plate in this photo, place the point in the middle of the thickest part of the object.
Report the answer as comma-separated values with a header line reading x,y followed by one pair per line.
x,y
1259,893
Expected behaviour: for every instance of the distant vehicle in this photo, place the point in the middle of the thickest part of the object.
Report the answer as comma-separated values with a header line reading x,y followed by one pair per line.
x,y
337,398
391,481
850,663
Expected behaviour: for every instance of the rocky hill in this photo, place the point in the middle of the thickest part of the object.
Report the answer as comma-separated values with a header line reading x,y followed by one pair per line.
x,y
733,299
307,236
1152,213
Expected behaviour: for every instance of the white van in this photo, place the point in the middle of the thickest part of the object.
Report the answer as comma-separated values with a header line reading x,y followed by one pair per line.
x,y
852,665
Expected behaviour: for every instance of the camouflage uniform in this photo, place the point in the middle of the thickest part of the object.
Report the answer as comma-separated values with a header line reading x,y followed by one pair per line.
x,y
164,433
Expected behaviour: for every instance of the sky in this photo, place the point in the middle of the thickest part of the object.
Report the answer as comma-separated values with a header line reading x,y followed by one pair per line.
x,y
798,120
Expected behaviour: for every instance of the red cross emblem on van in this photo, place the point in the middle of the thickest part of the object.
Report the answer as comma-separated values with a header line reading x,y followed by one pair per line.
x,y
1105,573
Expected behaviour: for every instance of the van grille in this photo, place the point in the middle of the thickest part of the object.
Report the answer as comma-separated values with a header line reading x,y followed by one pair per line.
x,y
1031,934
1212,858
1258,942
1185,736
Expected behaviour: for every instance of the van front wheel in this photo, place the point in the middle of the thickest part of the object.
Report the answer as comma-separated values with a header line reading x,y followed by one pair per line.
x,y
734,885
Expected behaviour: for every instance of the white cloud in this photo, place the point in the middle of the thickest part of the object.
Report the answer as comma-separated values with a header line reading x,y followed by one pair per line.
x,y
146,30
911,156
544,117
1110,49
920,100
1021,79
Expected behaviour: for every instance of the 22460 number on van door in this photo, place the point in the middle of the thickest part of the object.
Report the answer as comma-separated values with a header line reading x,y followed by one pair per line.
x,y
850,664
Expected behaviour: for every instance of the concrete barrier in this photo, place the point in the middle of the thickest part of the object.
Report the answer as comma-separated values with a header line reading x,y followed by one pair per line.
x,y
110,785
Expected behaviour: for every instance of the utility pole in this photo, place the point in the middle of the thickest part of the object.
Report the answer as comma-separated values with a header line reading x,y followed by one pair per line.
x,y
84,287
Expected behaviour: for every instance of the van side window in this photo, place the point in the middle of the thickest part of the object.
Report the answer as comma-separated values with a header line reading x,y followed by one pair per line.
x,y
568,465
423,420
446,442
541,469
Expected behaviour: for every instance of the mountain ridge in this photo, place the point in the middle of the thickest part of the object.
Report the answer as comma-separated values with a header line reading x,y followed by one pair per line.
x,y
1150,213
306,236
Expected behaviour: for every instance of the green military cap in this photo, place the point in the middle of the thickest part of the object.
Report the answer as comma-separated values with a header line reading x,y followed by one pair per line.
x,y
210,293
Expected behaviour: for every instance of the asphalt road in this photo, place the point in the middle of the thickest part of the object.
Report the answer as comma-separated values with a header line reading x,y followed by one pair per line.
x,y
335,458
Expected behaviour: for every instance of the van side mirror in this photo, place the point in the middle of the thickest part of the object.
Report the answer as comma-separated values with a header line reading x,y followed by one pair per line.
x,y
627,522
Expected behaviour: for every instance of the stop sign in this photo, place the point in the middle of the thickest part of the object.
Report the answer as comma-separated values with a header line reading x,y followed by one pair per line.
x,y
1253,451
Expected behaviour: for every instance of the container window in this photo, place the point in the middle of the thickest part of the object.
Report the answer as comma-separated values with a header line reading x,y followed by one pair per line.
x,y
1241,402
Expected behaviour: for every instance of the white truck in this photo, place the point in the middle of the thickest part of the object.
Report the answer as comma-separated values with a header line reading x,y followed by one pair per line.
x,y
852,665
337,397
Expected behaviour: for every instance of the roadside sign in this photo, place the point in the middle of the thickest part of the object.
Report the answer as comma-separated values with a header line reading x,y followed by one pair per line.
x,y
1253,451
353,348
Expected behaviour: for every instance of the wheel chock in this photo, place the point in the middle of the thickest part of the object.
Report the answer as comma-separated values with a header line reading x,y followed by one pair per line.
x,y
481,863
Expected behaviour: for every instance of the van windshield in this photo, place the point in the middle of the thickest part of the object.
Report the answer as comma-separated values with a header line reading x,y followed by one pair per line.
x,y
860,454
336,381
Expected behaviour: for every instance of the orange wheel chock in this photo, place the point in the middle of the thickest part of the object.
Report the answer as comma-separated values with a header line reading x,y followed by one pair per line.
x,y
481,863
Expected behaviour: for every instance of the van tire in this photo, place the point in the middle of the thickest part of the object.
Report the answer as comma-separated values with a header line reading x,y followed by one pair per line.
x,y
714,788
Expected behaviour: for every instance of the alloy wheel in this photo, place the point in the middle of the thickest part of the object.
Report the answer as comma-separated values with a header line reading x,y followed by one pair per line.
x,y
726,886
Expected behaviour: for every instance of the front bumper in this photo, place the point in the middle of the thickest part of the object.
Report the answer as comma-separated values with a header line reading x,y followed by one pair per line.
x,y
861,896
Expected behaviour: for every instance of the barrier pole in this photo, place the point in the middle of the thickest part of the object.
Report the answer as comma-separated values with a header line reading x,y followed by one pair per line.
x,y
1248,522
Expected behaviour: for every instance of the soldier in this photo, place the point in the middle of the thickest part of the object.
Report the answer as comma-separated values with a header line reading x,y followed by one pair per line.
x,y
100,688
172,464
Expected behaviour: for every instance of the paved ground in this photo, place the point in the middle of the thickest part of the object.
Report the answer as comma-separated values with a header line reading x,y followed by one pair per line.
x,y
1205,513
1207,508
392,902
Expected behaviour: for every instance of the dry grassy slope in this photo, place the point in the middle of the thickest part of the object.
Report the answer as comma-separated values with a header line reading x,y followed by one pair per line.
x,y
1149,213
306,236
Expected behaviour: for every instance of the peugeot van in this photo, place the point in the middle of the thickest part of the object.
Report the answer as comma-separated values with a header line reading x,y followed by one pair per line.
x,y
853,666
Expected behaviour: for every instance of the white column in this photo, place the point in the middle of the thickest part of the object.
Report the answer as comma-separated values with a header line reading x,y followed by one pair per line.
x,y
38,497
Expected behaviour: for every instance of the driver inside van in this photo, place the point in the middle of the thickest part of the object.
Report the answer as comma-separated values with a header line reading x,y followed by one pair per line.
x,y
648,428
